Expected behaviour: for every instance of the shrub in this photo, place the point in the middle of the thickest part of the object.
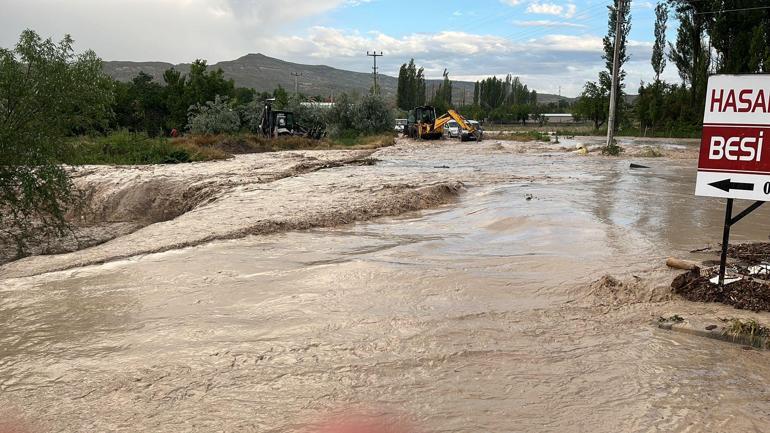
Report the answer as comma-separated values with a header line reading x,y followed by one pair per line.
x,y
214,117
369,116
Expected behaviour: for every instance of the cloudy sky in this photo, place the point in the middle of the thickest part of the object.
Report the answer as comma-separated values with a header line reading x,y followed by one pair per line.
x,y
549,43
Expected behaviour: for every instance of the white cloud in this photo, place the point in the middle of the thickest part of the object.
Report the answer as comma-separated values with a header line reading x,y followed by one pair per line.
x,y
183,30
642,5
544,62
548,23
165,30
566,11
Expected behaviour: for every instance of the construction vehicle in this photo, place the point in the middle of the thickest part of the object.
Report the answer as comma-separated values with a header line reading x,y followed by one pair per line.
x,y
278,123
423,123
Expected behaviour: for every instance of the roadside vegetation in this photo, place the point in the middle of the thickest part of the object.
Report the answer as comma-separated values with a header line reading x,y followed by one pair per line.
x,y
59,109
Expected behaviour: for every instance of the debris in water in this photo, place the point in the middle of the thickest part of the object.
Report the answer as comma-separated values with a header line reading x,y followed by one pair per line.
x,y
760,269
731,280
638,166
581,149
687,265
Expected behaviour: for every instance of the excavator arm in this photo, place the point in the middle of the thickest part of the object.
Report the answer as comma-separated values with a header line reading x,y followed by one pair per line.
x,y
457,117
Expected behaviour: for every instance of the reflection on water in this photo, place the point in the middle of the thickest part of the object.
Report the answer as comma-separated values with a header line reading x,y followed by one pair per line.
x,y
468,318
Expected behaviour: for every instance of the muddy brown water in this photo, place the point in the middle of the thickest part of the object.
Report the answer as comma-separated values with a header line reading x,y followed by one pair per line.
x,y
473,316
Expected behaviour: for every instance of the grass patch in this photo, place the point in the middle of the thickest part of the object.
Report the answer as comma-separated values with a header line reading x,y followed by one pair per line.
x,y
250,143
749,330
748,327
126,148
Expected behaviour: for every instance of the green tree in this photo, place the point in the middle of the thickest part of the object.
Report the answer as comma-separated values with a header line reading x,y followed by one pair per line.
x,y
281,98
658,59
203,86
442,99
174,95
149,104
214,117
46,93
593,104
605,77
411,87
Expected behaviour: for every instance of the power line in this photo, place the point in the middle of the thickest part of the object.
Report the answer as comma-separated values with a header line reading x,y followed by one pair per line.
x,y
732,10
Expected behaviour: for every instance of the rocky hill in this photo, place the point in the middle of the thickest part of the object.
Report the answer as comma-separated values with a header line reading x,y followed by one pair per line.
x,y
265,73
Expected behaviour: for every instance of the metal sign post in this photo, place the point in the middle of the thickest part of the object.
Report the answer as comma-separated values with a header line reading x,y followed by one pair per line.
x,y
731,163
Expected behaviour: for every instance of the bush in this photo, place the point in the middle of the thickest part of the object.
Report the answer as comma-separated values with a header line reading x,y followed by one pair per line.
x,y
369,116
215,117
372,116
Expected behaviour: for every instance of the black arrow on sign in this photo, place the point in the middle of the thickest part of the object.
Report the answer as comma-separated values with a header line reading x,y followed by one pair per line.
x,y
727,184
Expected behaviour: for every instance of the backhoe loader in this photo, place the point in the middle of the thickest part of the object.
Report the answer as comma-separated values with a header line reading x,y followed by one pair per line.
x,y
275,123
424,124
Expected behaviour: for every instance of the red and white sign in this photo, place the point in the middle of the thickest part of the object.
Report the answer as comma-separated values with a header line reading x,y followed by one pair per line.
x,y
733,161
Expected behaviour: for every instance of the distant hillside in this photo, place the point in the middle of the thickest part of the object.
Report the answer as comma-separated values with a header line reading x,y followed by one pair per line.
x,y
265,73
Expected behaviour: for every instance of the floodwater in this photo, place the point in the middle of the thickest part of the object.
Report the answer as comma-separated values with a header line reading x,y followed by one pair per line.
x,y
477,315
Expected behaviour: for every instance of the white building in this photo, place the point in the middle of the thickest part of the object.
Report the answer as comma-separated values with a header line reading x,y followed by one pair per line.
x,y
558,118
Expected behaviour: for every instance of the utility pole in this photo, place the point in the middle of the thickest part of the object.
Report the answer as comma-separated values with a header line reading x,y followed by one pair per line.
x,y
619,18
375,89
296,82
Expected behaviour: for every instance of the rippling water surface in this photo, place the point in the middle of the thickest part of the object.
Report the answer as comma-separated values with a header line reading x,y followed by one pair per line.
x,y
473,317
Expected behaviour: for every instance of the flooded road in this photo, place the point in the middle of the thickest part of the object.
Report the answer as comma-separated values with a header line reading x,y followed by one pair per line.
x,y
481,313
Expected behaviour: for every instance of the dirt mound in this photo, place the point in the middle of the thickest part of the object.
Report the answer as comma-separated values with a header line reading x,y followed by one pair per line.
x,y
752,253
746,294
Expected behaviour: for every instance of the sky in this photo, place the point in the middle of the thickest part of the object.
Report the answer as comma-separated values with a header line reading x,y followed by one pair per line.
x,y
553,45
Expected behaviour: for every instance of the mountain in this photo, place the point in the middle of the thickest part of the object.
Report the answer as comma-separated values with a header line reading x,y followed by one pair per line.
x,y
265,73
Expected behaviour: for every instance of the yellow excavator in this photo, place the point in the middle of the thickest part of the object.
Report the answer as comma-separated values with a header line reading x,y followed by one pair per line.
x,y
422,123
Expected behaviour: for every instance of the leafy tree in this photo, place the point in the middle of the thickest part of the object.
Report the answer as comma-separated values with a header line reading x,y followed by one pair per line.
x,y
658,59
149,104
372,116
442,99
411,87
605,77
202,86
46,93
281,98
593,104
214,117
175,101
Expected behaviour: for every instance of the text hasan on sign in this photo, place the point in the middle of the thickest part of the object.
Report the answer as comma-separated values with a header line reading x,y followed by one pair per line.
x,y
736,126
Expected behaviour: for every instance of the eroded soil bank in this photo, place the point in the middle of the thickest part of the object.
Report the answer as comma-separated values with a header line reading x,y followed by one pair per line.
x,y
487,311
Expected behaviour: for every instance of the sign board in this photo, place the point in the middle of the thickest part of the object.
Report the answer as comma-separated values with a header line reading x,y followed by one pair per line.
x,y
736,125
